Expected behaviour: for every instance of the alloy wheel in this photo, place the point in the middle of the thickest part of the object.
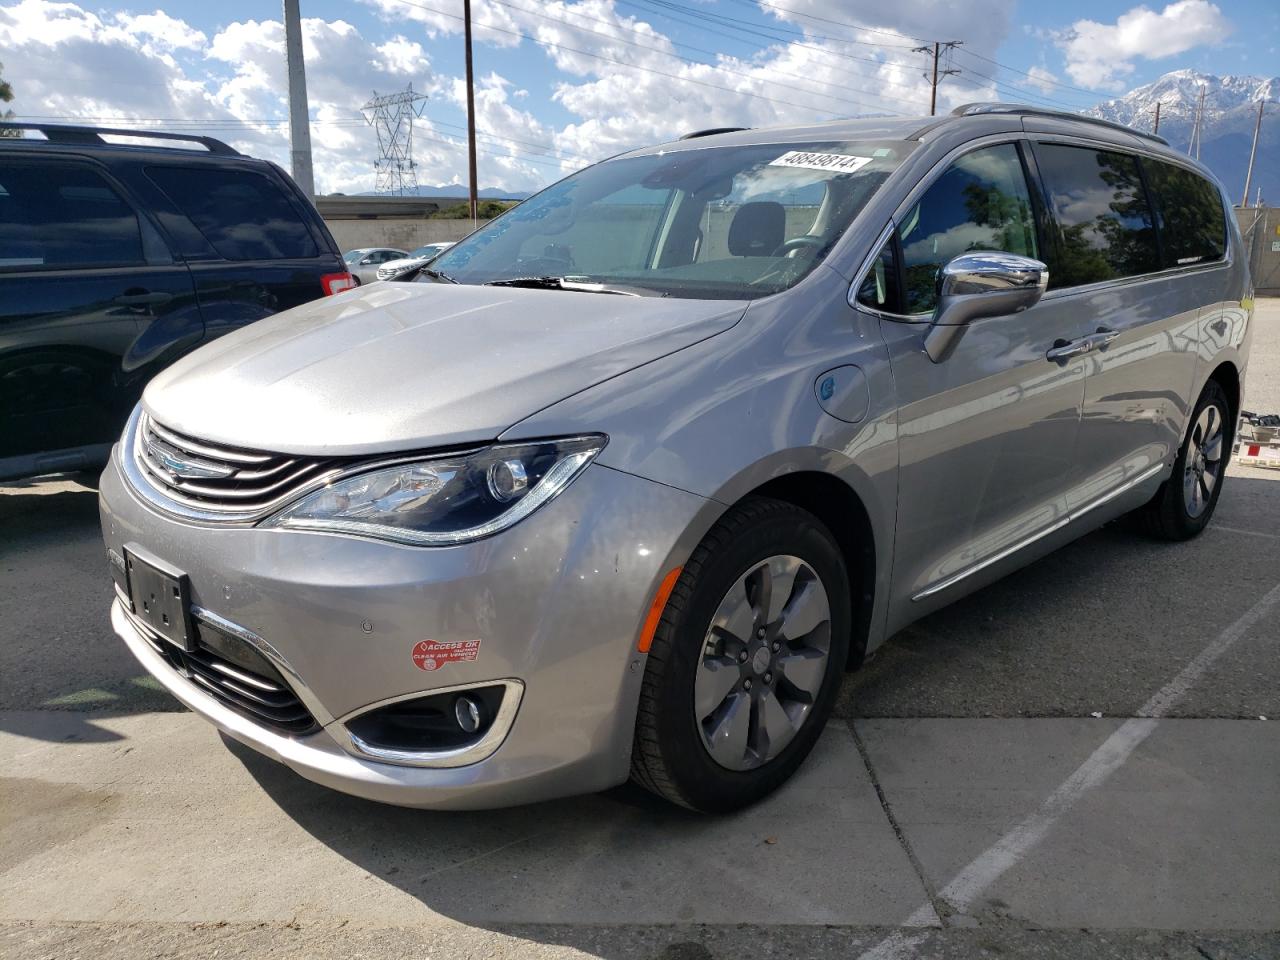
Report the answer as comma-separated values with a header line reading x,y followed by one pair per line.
x,y
762,663
1204,461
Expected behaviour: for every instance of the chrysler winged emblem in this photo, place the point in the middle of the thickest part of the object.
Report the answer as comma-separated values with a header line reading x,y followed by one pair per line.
x,y
183,467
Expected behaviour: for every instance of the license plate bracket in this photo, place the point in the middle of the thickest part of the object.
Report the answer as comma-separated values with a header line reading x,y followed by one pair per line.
x,y
161,596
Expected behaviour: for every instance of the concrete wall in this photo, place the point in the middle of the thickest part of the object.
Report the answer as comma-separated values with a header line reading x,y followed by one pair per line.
x,y
1260,227
407,234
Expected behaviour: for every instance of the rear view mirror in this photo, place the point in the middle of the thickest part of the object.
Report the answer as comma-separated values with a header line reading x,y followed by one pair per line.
x,y
978,285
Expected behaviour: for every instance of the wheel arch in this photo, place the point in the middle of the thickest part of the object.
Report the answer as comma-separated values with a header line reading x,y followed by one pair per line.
x,y
842,511
1228,378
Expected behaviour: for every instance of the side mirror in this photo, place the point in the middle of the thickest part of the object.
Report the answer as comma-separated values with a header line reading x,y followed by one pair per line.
x,y
366,261
978,285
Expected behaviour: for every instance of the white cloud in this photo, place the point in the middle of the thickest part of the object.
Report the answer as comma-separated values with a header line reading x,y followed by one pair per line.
x,y
1100,55
163,30
621,79
1042,79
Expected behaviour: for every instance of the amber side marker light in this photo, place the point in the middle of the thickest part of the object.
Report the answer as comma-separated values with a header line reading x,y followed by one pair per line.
x,y
655,609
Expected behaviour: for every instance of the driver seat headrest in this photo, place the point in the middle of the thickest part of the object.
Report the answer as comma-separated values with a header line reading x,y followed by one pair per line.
x,y
757,229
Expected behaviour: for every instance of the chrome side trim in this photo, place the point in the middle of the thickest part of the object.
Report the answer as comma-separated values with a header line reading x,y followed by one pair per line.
x,y
456,756
951,581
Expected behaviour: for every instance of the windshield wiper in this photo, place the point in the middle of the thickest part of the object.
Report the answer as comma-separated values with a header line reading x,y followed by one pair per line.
x,y
435,275
578,284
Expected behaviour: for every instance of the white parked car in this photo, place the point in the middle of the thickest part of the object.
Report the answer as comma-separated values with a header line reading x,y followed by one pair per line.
x,y
364,263
406,268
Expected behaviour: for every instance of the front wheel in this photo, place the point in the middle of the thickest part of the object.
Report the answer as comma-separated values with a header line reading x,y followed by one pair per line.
x,y
746,661
1186,501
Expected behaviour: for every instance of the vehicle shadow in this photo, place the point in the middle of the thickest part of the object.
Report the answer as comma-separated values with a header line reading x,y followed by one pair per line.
x,y
1098,626
57,649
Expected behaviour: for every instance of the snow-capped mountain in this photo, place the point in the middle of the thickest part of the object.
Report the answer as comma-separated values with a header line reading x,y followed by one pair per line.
x,y
1230,108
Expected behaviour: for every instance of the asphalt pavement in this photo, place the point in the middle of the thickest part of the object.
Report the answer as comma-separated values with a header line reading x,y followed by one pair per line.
x,y
1072,762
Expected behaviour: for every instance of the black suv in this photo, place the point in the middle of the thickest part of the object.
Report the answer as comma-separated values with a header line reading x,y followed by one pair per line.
x,y
120,251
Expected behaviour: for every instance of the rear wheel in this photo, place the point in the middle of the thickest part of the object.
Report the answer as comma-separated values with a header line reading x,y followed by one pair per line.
x,y
745,664
1185,503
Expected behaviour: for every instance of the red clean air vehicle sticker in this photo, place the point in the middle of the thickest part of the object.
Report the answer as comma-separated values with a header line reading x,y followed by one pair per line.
x,y
429,655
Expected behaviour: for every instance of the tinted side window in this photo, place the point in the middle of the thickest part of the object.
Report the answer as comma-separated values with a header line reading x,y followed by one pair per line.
x,y
1104,223
63,215
1193,224
980,203
879,288
243,214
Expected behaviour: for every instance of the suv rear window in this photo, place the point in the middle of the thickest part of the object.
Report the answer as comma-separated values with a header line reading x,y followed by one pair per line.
x,y
1105,224
1193,224
63,215
244,215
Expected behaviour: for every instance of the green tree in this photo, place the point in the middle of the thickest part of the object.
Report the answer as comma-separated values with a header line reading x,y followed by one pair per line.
x,y
6,95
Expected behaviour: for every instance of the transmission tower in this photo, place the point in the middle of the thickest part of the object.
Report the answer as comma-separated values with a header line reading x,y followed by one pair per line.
x,y
392,116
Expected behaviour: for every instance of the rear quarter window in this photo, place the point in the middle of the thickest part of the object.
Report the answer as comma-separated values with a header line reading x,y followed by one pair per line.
x,y
243,214
1193,223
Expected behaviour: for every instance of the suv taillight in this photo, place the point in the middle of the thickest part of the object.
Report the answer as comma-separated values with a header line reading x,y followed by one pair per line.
x,y
336,283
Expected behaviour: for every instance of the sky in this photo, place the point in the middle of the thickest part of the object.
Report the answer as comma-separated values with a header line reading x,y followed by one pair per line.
x,y
561,83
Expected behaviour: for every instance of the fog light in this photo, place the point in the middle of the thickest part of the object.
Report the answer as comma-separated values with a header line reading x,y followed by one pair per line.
x,y
467,712
507,480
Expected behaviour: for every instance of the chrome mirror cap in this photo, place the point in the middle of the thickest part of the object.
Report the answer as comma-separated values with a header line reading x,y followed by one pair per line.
x,y
978,285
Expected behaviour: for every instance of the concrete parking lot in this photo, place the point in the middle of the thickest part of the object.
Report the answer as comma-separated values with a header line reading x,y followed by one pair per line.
x,y
1081,760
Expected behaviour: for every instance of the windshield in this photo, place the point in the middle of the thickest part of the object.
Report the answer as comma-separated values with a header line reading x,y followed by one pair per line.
x,y
430,250
713,223
351,256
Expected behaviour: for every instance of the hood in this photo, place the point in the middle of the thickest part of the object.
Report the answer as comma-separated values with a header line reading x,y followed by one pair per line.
x,y
402,366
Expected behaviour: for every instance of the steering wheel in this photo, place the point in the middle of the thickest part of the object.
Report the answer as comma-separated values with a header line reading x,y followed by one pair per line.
x,y
798,243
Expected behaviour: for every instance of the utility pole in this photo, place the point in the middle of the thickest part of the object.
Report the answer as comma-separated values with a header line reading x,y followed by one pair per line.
x,y
471,116
936,51
299,112
1253,152
1157,126
1195,130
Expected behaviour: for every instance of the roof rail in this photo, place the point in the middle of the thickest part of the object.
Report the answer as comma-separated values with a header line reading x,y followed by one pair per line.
x,y
973,109
712,132
63,133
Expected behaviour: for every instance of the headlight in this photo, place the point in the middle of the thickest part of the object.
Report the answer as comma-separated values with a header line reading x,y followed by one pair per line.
x,y
445,500
386,273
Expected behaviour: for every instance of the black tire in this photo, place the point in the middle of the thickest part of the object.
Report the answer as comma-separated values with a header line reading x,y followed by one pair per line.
x,y
1168,516
669,757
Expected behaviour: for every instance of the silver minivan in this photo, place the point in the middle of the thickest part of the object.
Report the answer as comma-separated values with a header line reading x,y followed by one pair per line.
x,y
663,451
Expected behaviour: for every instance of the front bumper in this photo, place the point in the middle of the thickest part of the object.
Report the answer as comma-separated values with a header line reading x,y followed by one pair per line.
x,y
557,602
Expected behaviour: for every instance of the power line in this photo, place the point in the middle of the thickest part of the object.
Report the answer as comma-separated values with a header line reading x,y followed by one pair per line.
x,y
837,23
241,126
620,63
1005,66
667,53
712,18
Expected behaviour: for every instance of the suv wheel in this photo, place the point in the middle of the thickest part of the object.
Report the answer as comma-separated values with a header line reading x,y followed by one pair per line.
x,y
744,667
1184,505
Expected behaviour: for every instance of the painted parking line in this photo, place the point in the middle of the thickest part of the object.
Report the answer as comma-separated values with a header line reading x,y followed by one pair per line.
x,y
1006,852
1247,533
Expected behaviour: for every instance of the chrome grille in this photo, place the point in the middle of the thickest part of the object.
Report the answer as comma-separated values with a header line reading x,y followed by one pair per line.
x,y
237,675
228,481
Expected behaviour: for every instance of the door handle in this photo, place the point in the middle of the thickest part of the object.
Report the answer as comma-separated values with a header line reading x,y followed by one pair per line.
x,y
1102,339
142,298
1064,350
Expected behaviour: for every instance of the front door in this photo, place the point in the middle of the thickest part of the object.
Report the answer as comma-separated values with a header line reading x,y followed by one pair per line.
x,y
986,437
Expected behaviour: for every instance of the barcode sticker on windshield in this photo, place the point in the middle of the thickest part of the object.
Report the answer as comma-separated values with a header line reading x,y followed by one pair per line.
x,y
837,162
